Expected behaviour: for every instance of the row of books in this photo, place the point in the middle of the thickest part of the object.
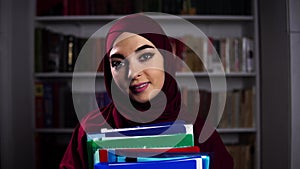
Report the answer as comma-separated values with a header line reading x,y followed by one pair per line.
x,y
238,111
56,52
54,107
165,145
230,54
106,7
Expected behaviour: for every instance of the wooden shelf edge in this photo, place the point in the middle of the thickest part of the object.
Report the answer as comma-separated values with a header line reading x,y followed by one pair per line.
x,y
178,74
91,18
236,130
54,130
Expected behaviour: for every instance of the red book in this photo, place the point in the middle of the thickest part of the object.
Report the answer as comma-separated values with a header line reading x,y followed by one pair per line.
x,y
141,152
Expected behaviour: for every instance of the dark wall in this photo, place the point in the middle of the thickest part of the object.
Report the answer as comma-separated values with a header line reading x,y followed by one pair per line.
x,y
16,87
275,84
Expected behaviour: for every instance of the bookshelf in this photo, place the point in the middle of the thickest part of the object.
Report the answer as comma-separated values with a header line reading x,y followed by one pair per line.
x,y
213,25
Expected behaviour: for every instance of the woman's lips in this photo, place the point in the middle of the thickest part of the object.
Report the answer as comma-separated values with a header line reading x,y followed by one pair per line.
x,y
139,87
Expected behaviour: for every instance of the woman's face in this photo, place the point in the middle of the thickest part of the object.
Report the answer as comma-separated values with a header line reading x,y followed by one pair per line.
x,y
137,67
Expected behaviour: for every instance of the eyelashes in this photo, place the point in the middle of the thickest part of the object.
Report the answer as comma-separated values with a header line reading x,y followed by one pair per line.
x,y
118,63
145,57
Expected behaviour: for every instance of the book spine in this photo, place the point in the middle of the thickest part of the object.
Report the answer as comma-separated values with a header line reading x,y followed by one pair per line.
x,y
70,52
38,46
48,105
56,104
39,107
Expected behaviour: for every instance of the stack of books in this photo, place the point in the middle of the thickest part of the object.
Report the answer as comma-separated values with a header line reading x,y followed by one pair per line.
x,y
160,146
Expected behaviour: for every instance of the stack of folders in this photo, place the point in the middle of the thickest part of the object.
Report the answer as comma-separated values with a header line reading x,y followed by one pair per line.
x,y
160,146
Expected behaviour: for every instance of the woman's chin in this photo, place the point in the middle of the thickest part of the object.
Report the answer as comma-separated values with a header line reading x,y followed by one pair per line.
x,y
144,98
140,99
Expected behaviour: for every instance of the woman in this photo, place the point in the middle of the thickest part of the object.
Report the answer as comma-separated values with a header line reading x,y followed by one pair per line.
x,y
139,70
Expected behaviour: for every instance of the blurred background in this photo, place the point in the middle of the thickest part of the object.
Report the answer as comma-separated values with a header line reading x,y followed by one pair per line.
x,y
257,42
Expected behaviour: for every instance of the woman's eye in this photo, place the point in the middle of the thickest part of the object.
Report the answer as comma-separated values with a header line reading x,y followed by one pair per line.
x,y
117,64
145,57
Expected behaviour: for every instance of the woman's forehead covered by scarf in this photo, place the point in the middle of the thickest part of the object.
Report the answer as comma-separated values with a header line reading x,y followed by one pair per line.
x,y
138,24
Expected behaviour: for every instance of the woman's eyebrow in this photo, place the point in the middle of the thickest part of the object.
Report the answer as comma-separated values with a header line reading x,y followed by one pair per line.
x,y
144,47
117,55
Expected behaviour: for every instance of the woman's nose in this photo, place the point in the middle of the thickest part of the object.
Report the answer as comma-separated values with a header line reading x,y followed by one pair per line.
x,y
134,71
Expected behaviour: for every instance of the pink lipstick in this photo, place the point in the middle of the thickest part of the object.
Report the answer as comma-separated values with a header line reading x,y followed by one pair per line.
x,y
139,87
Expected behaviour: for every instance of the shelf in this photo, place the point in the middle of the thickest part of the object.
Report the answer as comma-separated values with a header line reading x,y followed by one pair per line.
x,y
96,18
54,130
204,74
236,130
54,75
233,80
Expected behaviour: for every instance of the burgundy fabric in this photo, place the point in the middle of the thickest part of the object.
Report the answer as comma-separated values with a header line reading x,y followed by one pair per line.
x,y
75,156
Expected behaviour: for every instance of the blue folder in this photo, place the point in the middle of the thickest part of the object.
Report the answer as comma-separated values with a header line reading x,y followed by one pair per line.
x,y
190,163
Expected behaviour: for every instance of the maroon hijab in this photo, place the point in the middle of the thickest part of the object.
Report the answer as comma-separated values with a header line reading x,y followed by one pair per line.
x,y
151,30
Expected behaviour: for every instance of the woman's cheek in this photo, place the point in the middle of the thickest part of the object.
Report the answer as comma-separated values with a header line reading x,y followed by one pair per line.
x,y
121,83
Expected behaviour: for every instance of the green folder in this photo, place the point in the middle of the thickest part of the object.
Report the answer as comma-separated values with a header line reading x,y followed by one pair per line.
x,y
156,141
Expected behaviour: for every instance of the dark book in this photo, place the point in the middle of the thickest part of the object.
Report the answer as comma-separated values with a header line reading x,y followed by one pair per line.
x,y
55,47
241,7
152,6
120,7
99,7
63,63
49,7
138,6
76,7
39,106
70,116
38,49
56,104
69,54
48,105
201,7
45,49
